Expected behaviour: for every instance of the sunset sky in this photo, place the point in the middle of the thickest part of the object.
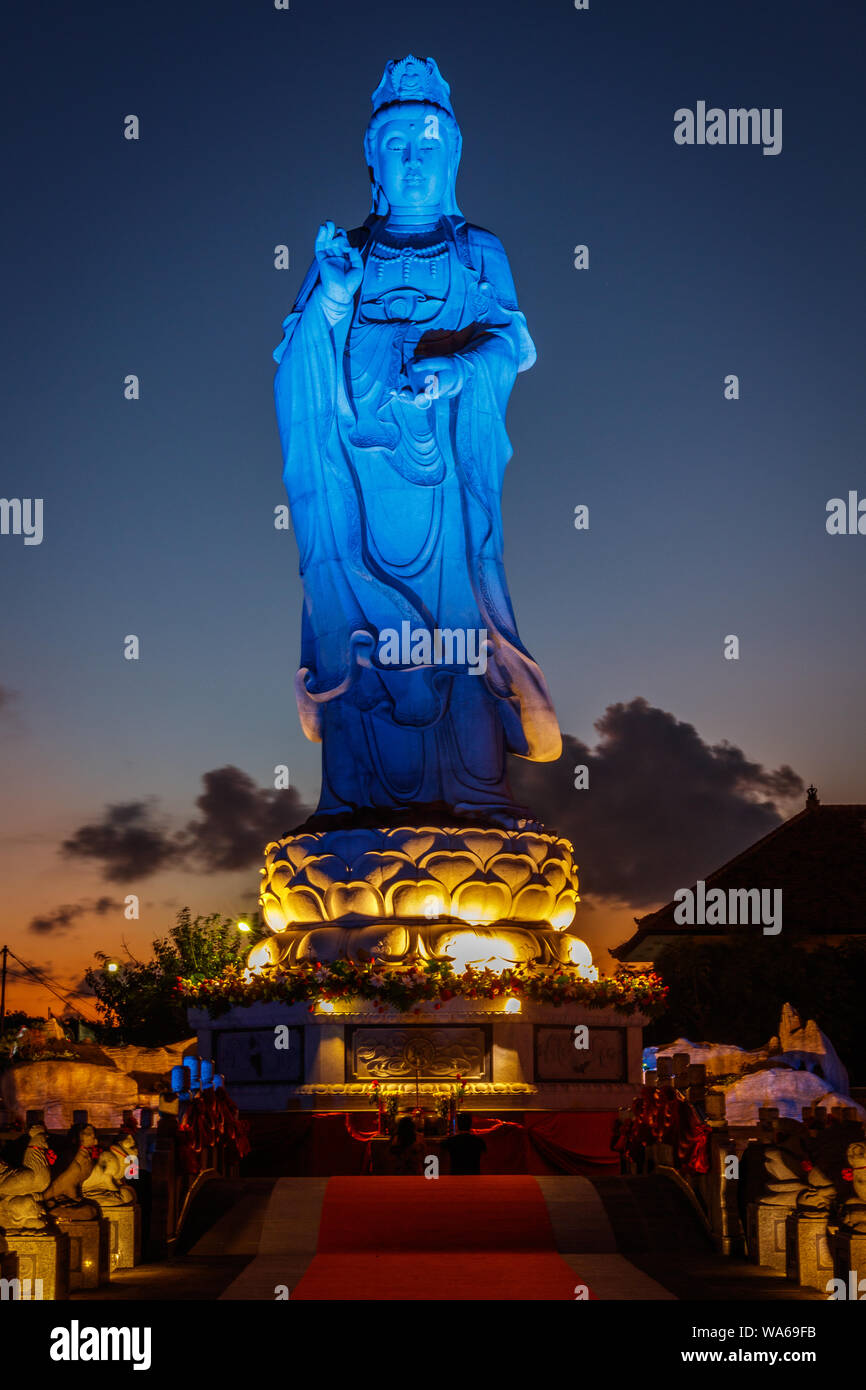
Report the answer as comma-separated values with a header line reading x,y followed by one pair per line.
x,y
707,516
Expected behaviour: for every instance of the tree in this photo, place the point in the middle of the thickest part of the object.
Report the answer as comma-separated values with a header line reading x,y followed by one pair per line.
x,y
138,1001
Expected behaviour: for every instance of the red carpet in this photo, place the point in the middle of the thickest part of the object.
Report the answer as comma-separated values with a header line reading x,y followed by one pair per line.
x,y
384,1238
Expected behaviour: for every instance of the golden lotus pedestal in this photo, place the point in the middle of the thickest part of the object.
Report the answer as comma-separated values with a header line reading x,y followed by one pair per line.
x,y
392,875
477,896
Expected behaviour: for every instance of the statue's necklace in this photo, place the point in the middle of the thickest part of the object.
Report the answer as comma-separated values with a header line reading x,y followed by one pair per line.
x,y
409,247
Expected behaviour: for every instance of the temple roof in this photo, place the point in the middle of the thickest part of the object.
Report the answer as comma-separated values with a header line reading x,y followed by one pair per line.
x,y
818,860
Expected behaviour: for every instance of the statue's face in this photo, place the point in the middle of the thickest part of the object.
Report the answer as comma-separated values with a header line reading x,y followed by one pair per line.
x,y
413,159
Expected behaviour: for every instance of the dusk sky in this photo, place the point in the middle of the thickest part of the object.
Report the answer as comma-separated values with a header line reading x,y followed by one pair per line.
x,y
707,516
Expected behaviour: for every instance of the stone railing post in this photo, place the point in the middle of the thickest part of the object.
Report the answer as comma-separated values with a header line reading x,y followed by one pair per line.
x,y
164,1185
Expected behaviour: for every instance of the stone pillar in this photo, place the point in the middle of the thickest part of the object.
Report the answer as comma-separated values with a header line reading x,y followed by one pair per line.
x,y
809,1260
634,1053
766,1129
124,1223
766,1234
163,1207
512,1060
723,1209
681,1061
89,1248
325,1054
665,1070
42,1259
696,1083
714,1107
848,1250
818,1117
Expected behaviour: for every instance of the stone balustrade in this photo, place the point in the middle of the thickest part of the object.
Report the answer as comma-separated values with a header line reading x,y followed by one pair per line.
x,y
777,1189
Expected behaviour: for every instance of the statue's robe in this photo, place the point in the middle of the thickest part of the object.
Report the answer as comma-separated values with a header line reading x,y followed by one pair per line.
x,y
398,518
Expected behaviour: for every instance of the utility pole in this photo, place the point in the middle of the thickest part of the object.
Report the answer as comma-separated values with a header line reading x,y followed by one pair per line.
x,y
5,954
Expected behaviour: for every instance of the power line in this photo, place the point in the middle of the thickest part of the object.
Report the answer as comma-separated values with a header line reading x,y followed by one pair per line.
x,y
21,977
45,982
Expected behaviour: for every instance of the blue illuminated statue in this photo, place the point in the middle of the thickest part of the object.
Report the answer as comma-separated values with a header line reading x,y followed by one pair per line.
x,y
394,375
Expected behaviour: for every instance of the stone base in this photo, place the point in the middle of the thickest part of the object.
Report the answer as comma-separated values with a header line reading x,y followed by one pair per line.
x,y
124,1235
849,1260
44,1261
508,1061
89,1250
808,1260
766,1235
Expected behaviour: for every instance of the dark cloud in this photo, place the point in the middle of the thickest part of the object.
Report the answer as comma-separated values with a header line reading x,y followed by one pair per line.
x,y
10,710
63,917
663,808
129,842
82,987
237,818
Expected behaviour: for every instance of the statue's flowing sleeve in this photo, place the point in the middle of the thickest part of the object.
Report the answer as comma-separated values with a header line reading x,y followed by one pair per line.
x,y
307,395
500,348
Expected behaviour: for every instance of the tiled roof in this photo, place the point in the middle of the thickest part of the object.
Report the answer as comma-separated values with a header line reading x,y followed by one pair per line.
x,y
817,858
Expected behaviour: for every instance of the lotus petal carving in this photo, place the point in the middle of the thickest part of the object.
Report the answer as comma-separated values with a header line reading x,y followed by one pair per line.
x,y
468,873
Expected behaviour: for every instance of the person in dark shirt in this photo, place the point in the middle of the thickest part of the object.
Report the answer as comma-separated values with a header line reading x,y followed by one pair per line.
x,y
465,1148
406,1154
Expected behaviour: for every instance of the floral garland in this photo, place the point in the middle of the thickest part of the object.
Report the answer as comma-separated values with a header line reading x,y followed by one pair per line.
x,y
405,987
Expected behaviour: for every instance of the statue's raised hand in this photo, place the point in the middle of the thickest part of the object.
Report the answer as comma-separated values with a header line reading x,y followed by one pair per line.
x,y
340,265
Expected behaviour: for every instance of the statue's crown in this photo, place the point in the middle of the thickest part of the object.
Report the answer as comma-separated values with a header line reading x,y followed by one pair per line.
x,y
412,79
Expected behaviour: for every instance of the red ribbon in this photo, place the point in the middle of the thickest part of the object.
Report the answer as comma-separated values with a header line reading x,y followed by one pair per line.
x,y
663,1116
211,1120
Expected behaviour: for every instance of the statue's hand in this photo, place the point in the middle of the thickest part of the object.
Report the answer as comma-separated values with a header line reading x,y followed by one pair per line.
x,y
433,377
340,265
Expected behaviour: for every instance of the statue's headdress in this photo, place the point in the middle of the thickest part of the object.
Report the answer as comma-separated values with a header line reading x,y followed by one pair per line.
x,y
413,79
